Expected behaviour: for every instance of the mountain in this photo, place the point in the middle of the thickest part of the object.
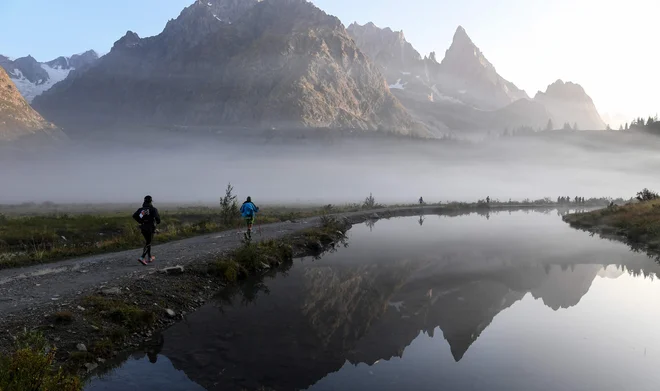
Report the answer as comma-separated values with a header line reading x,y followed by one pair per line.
x,y
265,64
389,49
462,93
569,103
34,78
17,118
465,73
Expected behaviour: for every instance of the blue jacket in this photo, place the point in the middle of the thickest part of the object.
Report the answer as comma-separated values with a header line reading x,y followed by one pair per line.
x,y
248,209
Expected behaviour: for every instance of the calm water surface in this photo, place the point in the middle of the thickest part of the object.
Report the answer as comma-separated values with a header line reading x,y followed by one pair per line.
x,y
510,301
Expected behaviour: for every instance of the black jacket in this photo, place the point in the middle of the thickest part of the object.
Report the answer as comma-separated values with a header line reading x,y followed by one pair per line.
x,y
149,218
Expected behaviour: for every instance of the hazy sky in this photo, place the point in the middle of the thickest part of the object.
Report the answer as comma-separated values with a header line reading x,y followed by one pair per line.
x,y
608,46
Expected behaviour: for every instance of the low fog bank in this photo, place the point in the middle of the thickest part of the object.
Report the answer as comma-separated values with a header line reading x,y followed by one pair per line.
x,y
194,169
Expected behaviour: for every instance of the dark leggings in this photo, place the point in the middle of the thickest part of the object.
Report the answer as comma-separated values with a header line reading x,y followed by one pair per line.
x,y
148,237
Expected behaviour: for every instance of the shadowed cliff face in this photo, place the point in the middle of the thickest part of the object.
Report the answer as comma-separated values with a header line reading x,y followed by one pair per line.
x,y
17,118
277,63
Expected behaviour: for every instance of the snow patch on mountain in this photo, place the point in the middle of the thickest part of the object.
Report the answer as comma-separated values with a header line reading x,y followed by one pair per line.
x,y
398,85
31,90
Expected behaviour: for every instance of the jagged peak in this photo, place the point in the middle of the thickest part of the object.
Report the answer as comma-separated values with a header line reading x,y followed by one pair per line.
x,y
129,40
565,90
90,53
372,27
461,37
26,59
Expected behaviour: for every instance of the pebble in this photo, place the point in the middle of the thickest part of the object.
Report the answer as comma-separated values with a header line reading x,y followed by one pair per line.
x,y
170,313
173,270
81,347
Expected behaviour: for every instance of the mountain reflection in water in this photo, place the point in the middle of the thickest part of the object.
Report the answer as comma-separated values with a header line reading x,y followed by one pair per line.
x,y
371,316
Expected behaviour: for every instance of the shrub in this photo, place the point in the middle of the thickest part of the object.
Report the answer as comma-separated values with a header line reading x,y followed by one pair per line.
x,y
647,195
370,203
30,367
229,206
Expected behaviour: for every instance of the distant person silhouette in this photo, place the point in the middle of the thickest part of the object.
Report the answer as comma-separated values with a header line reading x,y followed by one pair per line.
x,y
148,218
421,200
248,212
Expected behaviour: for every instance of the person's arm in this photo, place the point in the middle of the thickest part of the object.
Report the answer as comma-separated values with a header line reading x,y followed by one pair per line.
x,y
256,208
136,216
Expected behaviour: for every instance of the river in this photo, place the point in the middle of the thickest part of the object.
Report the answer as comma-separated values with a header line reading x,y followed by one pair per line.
x,y
502,301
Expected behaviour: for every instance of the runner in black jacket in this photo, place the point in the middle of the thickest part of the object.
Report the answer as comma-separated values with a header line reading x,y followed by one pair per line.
x,y
147,216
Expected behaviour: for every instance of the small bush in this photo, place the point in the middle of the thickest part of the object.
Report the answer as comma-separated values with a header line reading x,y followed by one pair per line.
x,y
647,195
369,202
103,347
229,206
30,368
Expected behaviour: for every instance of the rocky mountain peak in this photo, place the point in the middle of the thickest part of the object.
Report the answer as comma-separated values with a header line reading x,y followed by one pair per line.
x,y
29,69
388,48
129,40
461,37
465,68
569,103
82,60
464,57
60,62
281,63
567,91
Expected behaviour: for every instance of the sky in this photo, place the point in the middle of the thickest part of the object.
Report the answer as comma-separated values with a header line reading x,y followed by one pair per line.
x,y
607,46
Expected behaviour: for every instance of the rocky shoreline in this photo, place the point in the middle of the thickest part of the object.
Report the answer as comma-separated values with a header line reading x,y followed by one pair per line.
x,y
635,225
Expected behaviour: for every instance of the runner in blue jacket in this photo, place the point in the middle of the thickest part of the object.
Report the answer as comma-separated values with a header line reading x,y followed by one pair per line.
x,y
248,211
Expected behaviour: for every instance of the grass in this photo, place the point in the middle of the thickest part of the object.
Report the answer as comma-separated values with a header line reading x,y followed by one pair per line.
x,y
249,259
638,222
129,317
31,368
254,257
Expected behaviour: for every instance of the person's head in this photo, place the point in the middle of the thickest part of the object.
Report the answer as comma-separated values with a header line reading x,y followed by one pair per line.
x,y
148,200
249,199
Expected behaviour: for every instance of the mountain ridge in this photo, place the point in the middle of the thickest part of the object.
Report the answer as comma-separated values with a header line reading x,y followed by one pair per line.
x,y
33,78
281,63
464,92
